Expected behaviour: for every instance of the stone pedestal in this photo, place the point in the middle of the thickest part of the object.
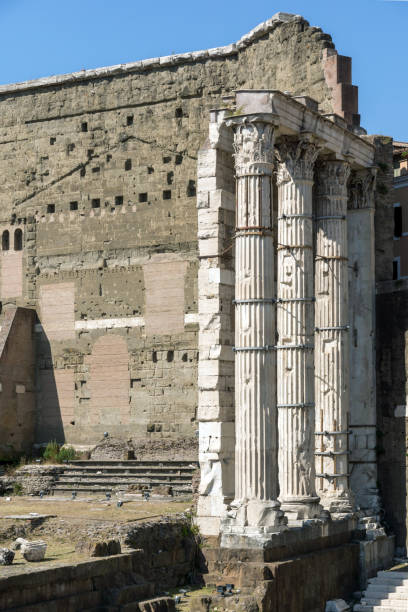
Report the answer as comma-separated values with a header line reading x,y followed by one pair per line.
x,y
255,510
332,338
295,325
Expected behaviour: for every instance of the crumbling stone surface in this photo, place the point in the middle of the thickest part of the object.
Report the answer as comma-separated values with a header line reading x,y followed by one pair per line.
x,y
112,449
32,479
33,551
185,448
6,556
97,548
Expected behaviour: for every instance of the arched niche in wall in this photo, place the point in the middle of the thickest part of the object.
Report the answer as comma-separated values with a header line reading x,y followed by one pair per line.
x,y
5,240
18,239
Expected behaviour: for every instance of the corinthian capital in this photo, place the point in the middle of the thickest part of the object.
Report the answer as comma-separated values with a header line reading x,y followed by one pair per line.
x,y
296,159
253,144
332,177
362,188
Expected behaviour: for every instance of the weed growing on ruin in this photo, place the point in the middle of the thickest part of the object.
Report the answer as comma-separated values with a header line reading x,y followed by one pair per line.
x,y
53,453
17,488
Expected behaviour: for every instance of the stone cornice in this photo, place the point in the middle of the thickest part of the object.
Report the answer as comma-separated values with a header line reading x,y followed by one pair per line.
x,y
156,62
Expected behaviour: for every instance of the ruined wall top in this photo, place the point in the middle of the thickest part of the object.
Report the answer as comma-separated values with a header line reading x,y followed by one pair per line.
x,y
169,60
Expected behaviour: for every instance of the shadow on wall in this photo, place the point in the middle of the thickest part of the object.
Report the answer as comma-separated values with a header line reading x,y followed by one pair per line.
x,y
17,382
49,424
392,411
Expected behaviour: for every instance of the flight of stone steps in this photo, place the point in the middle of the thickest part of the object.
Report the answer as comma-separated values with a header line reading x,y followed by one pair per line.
x,y
100,477
387,592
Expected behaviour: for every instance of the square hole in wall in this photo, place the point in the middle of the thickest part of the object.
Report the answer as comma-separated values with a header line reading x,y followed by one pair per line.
x,y
179,113
166,160
118,200
52,140
82,171
150,169
84,126
142,197
50,208
96,169
73,206
170,176
96,203
167,194
191,189
129,120
128,164
179,159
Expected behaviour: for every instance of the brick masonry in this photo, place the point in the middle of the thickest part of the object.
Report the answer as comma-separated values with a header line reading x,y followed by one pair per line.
x,y
99,171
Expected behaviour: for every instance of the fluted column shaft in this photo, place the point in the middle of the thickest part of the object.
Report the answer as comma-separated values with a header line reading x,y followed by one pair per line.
x,y
256,473
332,337
295,324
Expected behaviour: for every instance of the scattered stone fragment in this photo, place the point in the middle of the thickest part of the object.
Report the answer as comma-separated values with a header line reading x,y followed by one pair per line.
x,y
6,556
337,605
18,543
34,551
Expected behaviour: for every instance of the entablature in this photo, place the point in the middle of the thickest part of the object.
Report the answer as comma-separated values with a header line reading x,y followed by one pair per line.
x,y
292,117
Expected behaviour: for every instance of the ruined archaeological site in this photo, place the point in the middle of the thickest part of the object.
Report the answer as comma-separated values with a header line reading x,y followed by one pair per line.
x,y
201,343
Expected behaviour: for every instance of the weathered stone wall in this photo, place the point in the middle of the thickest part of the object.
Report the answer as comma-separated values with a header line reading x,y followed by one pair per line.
x,y
392,415
17,382
99,171
391,356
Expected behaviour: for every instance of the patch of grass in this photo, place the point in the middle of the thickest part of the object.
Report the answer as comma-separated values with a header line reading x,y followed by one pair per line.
x,y
54,453
17,488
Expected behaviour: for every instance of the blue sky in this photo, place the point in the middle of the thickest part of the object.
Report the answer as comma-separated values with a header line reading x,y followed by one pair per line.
x,y
44,37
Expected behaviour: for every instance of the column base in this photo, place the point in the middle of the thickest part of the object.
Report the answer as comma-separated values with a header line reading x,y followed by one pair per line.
x,y
340,506
250,524
303,509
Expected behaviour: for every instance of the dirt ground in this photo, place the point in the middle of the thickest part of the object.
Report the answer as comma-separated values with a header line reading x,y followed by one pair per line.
x,y
68,521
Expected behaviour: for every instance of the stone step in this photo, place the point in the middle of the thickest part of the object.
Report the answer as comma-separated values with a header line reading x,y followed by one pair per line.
x,y
64,492
366,608
125,481
108,489
380,592
134,463
389,573
130,470
391,580
400,604
125,477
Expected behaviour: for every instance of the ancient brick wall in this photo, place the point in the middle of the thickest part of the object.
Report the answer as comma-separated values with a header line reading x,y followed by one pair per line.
x,y
99,171
17,382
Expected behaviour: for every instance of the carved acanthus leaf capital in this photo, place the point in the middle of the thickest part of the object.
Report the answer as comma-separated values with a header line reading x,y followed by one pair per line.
x,y
253,144
332,177
296,159
361,188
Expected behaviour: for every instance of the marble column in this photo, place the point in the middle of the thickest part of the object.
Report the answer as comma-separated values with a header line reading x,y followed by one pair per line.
x,y
332,338
363,415
295,325
256,470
